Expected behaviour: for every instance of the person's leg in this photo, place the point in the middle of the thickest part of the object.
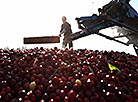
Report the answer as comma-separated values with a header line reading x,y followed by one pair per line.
x,y
64,44
70,44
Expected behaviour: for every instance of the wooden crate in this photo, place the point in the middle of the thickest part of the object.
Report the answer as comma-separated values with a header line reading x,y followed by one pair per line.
x,y
42,40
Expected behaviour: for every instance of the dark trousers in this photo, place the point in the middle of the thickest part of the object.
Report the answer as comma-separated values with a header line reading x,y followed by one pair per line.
x,y
70,44
66,41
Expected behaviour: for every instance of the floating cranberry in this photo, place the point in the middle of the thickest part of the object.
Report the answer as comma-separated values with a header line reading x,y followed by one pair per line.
x,y
136,92
52,95
57,99
41,88
62,93
33,98
38,93
72,95
52,100
90,83
45,96
8,97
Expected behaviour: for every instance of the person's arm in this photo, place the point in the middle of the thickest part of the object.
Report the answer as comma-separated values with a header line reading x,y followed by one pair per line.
x,y
62,31
61,28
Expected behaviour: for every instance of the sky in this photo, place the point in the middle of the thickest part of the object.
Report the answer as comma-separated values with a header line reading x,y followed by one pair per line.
x,y
33,18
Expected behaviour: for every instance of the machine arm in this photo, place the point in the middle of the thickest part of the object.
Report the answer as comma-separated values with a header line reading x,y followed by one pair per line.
x,y
95,30
98,24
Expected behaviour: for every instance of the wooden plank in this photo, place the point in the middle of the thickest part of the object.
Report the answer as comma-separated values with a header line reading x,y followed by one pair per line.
x,y
42,40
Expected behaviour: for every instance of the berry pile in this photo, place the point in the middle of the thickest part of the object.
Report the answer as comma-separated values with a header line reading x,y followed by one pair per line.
x,y
54,75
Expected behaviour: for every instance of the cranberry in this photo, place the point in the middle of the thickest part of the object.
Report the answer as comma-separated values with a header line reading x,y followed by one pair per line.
x,y
52,100
45,96
66,99
90,83
33,98
91,76
72,95
62,93
8,90
52,95
57,99
38,93
136,92
8,97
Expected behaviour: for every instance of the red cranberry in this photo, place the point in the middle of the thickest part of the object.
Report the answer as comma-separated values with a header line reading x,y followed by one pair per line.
x,y
2,93
21,93
52,100
8,97
33,98
42,100
86,99
90,83
52,95
88,93
62,93
41,87
38,93
72,95
57,99
8,90
80,100
45,96
135,92
91,76
66,99
69,84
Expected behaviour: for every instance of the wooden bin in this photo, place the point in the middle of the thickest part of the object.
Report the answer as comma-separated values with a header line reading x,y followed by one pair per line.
x,y
42,40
